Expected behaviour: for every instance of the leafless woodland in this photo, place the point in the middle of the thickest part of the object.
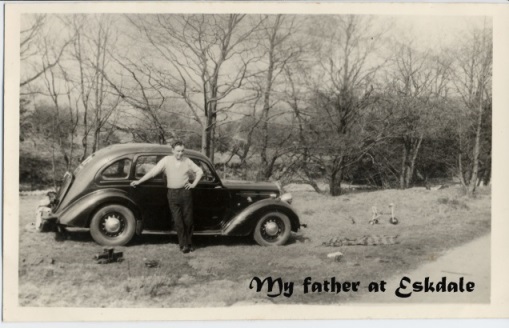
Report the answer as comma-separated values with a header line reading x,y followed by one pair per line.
x,y
320,99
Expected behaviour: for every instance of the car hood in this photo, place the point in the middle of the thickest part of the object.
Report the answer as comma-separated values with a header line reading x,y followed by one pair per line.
x,y
251,186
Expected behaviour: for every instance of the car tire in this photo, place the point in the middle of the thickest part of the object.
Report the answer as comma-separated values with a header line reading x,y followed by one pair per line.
x,y
272,229
113,225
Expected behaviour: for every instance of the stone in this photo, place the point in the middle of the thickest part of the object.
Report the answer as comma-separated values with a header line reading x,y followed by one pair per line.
x,y
336,256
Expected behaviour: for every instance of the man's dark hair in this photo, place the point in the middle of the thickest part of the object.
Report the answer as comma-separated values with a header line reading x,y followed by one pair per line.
x,y
178,143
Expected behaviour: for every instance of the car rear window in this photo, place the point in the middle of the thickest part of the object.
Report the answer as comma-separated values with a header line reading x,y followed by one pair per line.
x,y
118,170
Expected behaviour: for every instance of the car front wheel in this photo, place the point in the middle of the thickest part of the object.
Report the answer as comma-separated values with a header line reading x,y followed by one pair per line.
x,y
113,225
272,229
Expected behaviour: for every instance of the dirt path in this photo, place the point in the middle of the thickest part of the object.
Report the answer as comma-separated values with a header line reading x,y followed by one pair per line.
x,y
470,261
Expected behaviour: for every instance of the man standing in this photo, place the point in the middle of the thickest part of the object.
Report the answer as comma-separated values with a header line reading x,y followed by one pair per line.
x,y
176,169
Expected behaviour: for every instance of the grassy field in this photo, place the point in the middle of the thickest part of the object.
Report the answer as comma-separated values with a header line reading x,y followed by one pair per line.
x,y
218,273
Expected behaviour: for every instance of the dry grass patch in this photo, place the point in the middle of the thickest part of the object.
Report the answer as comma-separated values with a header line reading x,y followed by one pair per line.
x,y
218,274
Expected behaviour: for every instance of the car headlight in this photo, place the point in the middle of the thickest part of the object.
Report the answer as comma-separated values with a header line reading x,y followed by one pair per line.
x,y
287,198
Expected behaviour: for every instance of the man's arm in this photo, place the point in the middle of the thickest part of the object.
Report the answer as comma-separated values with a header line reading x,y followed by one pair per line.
x,y
198,175
150,174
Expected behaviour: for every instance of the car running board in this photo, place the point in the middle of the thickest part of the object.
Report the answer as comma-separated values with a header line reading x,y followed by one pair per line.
x,y
173,232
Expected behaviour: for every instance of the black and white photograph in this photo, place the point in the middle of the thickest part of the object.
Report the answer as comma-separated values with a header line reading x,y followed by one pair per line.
x,y
241,159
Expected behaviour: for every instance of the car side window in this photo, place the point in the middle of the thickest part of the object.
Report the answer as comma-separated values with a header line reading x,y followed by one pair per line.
x,y
118,170
208,176
145,164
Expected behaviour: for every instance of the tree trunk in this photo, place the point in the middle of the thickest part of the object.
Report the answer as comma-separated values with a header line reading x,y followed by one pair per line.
x,y
313,184
53,167
209,135
211,115
336,176
161,135
97,91
402,174
204,145
84,141
335,182
209,139
476,152
265,170
265,126
410,170
243,162
212,142
486,178
332,184
303,143
310,180
95,144
461,176
71,151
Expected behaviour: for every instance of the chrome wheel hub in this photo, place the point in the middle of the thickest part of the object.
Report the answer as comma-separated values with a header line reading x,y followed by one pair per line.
x,y
271,228
112,224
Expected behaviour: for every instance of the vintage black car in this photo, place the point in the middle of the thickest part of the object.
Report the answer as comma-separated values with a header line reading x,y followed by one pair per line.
x,y
98,196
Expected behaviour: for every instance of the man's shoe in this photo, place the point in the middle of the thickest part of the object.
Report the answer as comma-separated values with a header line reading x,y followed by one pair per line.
x,y
185,250
191,248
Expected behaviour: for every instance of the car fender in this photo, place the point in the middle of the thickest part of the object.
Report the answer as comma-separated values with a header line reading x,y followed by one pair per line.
x,y
244,223
79,213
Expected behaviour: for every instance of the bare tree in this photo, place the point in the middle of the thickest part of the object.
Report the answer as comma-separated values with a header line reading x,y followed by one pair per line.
x,y
472,79
64,125
35,53
206,58
295,97
41,54
141,89
95,36
105,38
343,92
279,49
245,133
73,115
418,83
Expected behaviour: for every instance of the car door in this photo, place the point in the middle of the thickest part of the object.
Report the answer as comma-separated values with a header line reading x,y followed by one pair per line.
x,y
151,195
211,201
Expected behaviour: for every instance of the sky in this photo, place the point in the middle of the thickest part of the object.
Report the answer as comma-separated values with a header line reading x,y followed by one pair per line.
x,y
431,31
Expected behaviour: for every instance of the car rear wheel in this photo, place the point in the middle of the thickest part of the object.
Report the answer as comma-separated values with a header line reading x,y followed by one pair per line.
x,y
113,225
272,229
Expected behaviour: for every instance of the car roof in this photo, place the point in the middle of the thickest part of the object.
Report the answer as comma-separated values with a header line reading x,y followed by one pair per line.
x,y
105,155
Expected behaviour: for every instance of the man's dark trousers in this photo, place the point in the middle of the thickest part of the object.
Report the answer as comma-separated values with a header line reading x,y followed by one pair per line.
x,y
181,207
